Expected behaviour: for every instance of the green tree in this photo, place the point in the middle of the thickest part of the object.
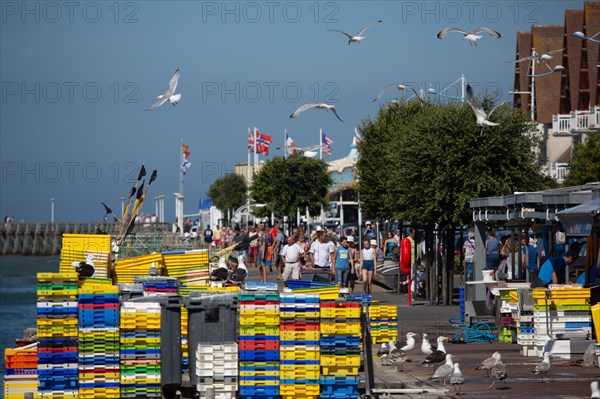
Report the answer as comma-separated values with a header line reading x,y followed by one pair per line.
x,y
295,182
228,192
424,163
585,165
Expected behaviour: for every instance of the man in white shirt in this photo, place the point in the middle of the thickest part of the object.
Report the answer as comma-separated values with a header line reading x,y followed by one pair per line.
x,y
290,256
322,252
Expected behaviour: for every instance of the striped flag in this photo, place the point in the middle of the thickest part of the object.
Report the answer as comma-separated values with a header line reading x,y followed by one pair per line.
x,y
185,154
289,143
326,143
263,141
250,141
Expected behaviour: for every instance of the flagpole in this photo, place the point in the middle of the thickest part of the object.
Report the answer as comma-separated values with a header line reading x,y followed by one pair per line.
x,y
285,148
321,144
248,172
255,150
181,168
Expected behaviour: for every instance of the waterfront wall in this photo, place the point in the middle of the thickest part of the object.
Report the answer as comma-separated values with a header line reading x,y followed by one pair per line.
x,y
46,238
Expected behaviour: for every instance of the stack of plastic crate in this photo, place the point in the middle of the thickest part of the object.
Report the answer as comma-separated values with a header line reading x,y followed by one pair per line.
x,y
98,310
299,375
217,370
77,247
189,267
567,314
57,333
140,352
384,323
340,349
259,345
21,372
158,285
126,270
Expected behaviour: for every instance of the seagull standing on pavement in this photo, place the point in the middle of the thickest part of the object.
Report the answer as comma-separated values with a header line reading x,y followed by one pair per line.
x,y
357,37
444,371
410,342
383,352
457,379
472,37
169,94
325,106
426,347
498,373
489,362
396,356
438,355
544,367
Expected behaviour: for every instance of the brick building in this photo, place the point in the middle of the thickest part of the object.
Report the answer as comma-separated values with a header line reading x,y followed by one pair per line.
x,y
567,101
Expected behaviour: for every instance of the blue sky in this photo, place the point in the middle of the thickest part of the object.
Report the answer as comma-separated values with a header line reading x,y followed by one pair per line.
x,y
76,78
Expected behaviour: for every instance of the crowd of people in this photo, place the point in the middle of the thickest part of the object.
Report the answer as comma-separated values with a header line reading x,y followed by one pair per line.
x,y
503,256
289,253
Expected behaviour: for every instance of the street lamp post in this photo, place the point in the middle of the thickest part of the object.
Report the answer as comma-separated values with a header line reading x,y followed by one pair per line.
x,y
52,210
581,36
463,86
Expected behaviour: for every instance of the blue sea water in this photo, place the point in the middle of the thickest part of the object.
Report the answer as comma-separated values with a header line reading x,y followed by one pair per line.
x,y
18,278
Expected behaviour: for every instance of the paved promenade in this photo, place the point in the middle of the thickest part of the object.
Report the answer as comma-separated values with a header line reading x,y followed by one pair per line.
x,y
565,380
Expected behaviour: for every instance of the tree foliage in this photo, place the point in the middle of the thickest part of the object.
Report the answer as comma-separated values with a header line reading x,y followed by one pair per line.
x,y
228,192
424,163
295,182
585,165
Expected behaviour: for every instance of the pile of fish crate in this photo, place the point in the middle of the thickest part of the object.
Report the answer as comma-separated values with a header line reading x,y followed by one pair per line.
x,y
217,370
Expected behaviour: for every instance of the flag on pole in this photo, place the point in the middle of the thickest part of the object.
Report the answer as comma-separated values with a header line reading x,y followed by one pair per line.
x,y
185,154
250,141
184,151
263,141
289,143
326,143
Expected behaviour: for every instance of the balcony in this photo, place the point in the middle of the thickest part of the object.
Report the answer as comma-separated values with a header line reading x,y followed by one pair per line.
x,y
576,122
559,171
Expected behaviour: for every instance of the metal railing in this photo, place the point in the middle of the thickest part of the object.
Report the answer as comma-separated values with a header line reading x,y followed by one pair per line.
x,y
576,121
559,171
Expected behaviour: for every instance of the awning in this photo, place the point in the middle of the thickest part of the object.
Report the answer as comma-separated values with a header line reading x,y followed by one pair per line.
x,y
579,220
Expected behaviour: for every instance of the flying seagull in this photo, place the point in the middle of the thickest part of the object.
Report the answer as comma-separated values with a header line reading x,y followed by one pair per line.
x,y
400,87
548,55
356,38
168,96
472,37
480,114
444,371
106,208
457,379
544,367
324,106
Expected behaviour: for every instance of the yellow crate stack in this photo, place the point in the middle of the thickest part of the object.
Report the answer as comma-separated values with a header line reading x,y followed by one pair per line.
x,y
384,323
76,248
21,373
568,312
127,269
190,267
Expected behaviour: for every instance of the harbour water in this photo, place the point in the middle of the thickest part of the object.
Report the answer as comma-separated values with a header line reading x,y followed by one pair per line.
x,y
18,298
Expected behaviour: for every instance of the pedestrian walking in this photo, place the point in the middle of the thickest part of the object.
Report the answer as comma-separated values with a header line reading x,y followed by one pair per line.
x,y
343,264
290,256
367,266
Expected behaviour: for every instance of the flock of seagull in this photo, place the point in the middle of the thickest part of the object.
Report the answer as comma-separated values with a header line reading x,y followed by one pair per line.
x,y
472,37
396,354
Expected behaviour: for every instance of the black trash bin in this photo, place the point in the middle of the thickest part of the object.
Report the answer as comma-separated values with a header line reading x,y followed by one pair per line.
x,y
212,318
170,340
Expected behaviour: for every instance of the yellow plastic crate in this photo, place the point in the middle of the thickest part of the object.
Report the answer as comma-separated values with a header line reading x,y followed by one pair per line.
x,y
340,313
596,319
340,360
340,328
293,335
299,390
563,296
298,372
339,370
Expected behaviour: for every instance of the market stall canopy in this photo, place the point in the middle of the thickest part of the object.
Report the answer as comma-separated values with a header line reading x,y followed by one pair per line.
x,y
579,220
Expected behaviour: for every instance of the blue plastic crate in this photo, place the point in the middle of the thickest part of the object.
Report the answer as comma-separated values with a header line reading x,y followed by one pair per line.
x,y
99,385
59,311
295,284
248,390
258,378
56,357
258,368
359,298
340,341
259,355
577,324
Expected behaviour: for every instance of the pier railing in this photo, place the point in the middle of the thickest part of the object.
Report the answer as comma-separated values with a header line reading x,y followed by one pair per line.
x,y
46,238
